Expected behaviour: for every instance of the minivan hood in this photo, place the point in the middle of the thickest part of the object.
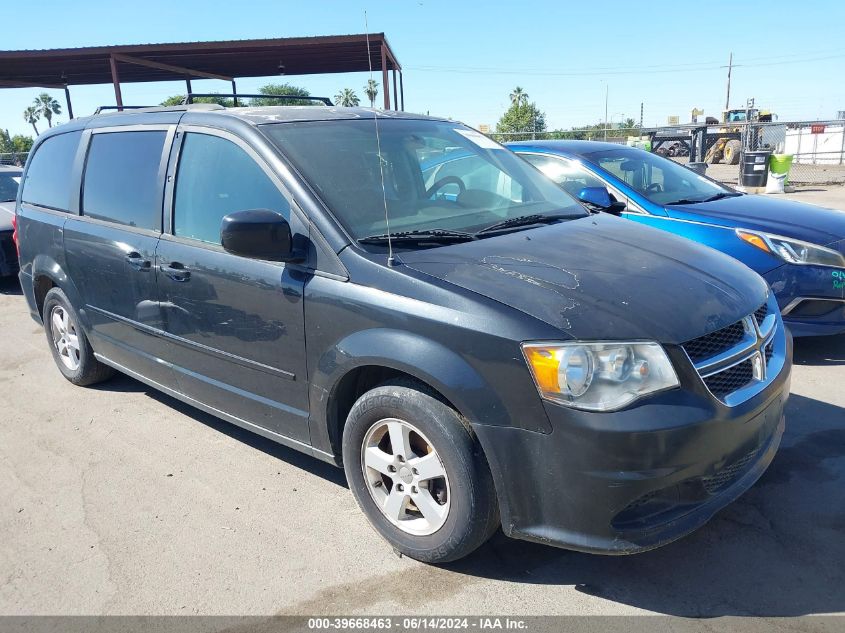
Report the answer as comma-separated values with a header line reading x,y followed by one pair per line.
x,y
7,212
789,218
601,277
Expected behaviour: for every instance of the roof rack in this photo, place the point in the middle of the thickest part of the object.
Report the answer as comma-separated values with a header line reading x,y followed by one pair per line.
x,y
100,109
189,98
177,108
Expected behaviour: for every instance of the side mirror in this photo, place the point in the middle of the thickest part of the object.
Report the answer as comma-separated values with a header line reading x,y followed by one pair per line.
x,y
596,196
599,198
258,234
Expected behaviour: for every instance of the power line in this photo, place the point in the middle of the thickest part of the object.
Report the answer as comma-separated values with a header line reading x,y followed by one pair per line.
x,y
643,70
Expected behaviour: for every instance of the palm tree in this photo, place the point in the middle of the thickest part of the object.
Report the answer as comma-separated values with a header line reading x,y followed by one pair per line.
x,y
47,107
519,97
371,90
347,98
31,115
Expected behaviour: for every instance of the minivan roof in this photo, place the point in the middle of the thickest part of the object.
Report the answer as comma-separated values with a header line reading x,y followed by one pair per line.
x,y
265,114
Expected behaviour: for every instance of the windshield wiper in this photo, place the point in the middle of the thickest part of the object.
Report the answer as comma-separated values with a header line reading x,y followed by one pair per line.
x,y
428,235
525,220
723,194
718,196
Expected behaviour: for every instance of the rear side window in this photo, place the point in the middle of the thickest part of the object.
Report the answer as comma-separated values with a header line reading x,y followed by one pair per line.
x,y
48,178
121,178
215,178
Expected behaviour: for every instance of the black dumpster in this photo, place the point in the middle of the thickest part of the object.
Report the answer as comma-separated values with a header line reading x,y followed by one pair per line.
x,y
755,168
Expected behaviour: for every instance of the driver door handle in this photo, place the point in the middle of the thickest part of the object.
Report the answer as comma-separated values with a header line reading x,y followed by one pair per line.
x,y
176,271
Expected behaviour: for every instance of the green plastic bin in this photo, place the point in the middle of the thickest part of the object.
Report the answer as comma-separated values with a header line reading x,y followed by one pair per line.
x,y
781,164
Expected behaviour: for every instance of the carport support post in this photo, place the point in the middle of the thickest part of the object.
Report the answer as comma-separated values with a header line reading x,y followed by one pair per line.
x,y
384,78
234,92
188,85
69,106
115,78
395,91
402,95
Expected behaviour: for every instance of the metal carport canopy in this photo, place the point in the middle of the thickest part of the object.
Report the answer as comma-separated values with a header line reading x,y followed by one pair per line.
x,y
226,60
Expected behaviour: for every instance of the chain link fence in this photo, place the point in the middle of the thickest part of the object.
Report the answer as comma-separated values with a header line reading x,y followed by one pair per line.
x,y
817,147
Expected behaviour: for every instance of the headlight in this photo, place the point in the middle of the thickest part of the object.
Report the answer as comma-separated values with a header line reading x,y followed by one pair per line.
x,y
598,376
791,250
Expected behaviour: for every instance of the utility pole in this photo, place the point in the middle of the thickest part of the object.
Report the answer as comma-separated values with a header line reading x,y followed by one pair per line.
x,y
606,90
641,115
730,67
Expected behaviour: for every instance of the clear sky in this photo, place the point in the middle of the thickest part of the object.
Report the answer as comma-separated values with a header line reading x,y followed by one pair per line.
x,y
462,59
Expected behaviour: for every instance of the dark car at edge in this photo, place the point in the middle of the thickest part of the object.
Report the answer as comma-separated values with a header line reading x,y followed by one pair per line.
x,y
475,349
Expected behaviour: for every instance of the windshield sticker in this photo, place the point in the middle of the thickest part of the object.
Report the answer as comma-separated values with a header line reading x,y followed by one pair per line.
x,y
479,139
839,279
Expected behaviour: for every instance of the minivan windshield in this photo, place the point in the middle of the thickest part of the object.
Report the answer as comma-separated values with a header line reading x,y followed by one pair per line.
x,y
658,179
434,177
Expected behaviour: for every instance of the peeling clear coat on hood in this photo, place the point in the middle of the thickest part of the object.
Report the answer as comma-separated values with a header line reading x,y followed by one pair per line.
x,y
602,277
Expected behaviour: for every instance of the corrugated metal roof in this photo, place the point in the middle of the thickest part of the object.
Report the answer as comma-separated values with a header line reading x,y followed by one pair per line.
x,y
178,60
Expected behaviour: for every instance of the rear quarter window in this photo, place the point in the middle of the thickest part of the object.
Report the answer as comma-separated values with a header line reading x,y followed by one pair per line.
x,y
121,181
48,177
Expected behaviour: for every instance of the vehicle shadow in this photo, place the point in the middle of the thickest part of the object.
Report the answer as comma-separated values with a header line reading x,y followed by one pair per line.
x,y
10,286
820,350
778,551
124,384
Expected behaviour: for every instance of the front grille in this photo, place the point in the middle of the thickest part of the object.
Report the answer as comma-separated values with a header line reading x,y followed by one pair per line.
x,y
714,343
728,355
815,308
761,313
731,379
723,478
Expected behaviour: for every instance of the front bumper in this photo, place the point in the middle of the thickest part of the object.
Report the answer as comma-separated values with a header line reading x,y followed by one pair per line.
x,y
632,480
816,285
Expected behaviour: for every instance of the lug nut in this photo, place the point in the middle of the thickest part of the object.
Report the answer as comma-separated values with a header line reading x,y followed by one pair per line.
x,y
414,490
415,471
400,487
391,468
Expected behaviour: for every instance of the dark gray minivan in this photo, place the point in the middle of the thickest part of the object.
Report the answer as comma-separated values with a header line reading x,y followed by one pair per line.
x,y
473,346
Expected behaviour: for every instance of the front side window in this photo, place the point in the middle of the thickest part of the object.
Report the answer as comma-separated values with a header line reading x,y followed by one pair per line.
x,y
215,178
568,174
429,174
121,182
658,179
48,178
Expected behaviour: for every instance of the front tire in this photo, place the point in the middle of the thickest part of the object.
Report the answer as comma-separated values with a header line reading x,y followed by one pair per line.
x,y
69,344
418,474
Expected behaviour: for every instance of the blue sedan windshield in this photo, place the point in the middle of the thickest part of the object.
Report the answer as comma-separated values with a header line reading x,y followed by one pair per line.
x,y
658,179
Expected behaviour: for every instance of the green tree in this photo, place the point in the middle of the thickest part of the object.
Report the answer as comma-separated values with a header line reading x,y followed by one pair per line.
x,y
371,90
282,89
347,98
31,115
47,106
179,100
21,144
521,122
519,97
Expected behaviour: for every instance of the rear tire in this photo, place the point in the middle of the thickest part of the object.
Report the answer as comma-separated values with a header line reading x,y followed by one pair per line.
x,y
69,344
418,474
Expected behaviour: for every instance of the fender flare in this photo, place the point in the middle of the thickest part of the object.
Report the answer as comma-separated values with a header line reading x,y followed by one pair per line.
x,y
422,358
46,266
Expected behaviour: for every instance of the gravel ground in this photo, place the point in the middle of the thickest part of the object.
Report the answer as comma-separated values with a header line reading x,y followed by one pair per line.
x,y
119,500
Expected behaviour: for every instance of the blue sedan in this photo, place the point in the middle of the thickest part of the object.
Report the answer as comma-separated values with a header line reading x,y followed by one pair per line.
x,y
798,248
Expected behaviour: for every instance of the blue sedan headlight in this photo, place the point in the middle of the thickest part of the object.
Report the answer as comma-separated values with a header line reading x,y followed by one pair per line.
x,y
791,250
